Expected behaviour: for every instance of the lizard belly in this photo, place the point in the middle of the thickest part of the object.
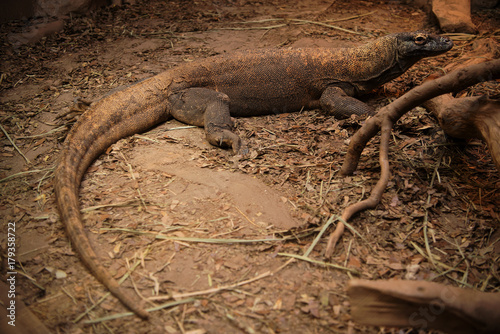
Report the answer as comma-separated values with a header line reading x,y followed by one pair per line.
x,y
266,100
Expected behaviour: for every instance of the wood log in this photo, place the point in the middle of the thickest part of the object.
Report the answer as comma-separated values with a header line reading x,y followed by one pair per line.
x,y
16,317
424,305
454,15
469,117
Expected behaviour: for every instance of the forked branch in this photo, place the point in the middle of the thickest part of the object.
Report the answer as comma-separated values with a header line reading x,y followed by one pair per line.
x,y
385,119
452,82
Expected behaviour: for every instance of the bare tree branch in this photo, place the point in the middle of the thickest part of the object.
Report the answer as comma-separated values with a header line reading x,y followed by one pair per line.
x,y
452,82
385,119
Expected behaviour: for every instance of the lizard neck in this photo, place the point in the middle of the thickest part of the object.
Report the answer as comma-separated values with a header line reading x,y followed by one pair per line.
x,y
381,62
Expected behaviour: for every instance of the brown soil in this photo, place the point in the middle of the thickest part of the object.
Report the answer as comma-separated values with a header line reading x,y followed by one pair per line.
x,y
169,182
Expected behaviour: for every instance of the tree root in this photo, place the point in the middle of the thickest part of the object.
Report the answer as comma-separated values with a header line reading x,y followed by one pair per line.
x,y
376,194
385,119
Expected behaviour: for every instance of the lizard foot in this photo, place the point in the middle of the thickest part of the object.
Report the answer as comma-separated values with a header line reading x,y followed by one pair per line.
x,y
224,138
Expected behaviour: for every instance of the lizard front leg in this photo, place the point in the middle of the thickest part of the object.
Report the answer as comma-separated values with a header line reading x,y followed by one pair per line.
x,y
209,109
337,103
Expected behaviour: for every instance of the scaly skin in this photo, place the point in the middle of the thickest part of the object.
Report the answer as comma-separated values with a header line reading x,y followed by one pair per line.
x,y
209,92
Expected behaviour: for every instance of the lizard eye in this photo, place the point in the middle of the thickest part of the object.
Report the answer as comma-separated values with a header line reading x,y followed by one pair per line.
x,y
420,39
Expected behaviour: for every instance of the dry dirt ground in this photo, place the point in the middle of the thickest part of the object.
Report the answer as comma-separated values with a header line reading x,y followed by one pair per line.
x,y
153,202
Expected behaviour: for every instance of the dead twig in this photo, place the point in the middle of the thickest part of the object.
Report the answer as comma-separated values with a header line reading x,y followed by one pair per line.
x,y
327,21
111,205
152,309
132,174
299,22
321,263
26,173
13,144
224,287
45,134
210,240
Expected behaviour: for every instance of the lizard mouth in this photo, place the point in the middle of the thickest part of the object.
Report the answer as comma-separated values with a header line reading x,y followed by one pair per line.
x,y
432,45
446,43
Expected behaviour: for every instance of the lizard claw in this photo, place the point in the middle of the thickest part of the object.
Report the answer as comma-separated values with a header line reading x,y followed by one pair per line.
x,y
243,151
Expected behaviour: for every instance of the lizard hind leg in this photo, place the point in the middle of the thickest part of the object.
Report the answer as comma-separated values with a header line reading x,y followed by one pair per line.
x,y
210,109
337,103
219,125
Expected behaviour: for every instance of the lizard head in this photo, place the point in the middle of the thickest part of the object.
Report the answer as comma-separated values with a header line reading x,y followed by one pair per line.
x,y
420,44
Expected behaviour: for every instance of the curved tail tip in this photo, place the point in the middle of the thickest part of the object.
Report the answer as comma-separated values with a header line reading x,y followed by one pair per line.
x,y
142,313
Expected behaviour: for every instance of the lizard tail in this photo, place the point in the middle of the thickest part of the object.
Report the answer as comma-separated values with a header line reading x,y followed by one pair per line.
x,y
124,113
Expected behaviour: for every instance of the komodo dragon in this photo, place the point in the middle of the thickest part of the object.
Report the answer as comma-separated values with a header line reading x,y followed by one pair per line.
x,y
208,92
